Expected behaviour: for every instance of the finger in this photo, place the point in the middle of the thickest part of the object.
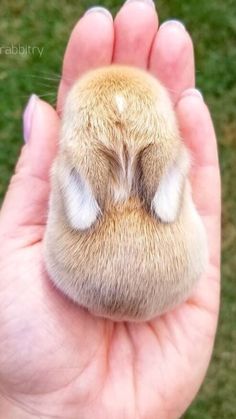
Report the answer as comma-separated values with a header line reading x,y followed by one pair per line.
x,y
135,27
199,135
90,46
26,200
172,58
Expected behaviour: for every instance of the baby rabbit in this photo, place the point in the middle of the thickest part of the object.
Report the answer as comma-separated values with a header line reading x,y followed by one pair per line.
x,y
123,237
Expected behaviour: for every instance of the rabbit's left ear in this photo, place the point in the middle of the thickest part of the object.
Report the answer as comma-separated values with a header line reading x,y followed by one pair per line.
x,y
81,206
167,199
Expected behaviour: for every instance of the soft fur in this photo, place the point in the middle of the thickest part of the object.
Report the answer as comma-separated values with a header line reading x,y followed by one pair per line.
x,y
123,237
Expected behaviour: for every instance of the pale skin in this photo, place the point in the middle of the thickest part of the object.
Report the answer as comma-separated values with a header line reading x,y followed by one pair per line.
x,y
57,360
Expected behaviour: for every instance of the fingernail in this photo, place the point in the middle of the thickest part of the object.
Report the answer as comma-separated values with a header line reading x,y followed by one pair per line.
x,y
28,116
99,9
192,92
149,2
173,22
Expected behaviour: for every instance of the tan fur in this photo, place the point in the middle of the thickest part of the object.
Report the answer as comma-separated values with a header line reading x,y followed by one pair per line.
x,y
120,134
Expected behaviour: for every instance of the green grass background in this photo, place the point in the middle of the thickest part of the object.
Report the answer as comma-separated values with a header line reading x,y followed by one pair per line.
x,y
213,26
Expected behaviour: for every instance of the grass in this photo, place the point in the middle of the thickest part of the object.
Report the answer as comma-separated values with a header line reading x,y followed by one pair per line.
x,y
213,27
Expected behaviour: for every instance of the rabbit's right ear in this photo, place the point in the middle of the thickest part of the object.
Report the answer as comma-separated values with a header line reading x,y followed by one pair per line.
x,y
167,199
81,207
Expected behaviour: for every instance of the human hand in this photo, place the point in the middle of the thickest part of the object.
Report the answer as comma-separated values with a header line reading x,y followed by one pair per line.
x,y
56,359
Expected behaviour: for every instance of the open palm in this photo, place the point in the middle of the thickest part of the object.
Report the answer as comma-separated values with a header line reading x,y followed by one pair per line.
x,y
57,360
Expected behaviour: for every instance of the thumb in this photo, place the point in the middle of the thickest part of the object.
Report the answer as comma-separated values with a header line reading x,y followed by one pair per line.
x,y
25,203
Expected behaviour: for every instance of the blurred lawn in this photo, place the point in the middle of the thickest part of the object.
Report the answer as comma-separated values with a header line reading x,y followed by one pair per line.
x,y
213,26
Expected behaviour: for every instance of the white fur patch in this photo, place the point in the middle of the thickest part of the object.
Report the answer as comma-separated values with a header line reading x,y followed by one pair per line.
x,y
120,103
81,206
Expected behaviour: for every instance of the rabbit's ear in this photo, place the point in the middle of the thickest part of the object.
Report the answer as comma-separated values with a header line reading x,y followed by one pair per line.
x,y
167,199
81,207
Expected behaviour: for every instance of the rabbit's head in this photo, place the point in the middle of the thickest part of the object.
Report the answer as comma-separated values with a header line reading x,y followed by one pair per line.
x,y
119,141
